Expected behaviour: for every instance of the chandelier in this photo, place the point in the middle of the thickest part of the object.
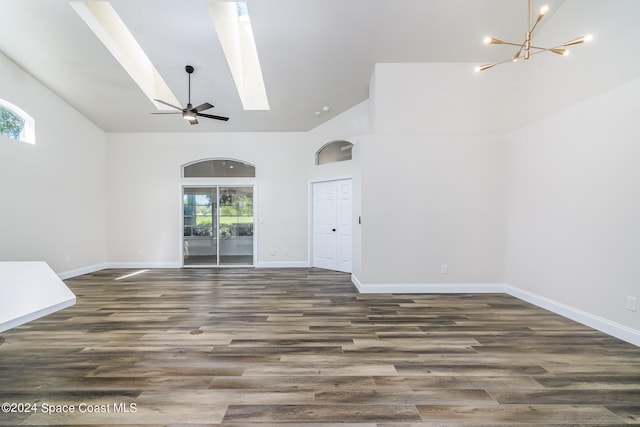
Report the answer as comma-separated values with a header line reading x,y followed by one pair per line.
x,y
526,48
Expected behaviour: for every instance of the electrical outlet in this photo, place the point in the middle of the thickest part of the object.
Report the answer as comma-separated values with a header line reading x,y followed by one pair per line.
x,y
444,269
632,304
273,252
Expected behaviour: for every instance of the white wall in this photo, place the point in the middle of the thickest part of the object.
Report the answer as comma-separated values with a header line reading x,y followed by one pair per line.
x,y
429,200
53,193
573,206
450,98
144,187
144,192
549,209
432,186
350,126
440,98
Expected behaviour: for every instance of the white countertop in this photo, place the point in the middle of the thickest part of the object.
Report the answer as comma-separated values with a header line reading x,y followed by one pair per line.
x,y
29,290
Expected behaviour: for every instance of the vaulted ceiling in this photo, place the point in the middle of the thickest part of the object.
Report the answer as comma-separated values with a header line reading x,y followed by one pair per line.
x,y
312,52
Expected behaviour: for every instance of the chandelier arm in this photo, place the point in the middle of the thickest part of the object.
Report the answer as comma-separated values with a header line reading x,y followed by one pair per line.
x,y
520,46
526,45
505,61
559,50
517,54
536,24
540,51
514,59
541,15
543,48
579,40
487,66
513,44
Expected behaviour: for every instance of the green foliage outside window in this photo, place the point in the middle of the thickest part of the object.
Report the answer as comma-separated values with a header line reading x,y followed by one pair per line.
x,y
11,124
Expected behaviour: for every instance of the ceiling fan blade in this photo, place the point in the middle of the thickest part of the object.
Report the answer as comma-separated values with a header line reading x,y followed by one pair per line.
x,y
166,103
210,116
203,107
189,112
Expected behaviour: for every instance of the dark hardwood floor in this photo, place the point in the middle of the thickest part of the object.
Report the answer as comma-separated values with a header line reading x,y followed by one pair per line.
x,y
301,347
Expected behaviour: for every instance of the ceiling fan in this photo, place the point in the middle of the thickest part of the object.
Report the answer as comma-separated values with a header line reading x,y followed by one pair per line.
x,y
191,113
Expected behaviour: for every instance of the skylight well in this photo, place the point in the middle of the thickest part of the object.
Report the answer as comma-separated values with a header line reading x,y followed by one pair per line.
x,y
107,25
233,26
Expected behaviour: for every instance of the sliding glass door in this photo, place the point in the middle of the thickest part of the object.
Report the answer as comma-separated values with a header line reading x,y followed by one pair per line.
x,y
218,226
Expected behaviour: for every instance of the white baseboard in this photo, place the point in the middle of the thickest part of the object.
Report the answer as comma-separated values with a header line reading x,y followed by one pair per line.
x,y
143,265
603,325
134,265
128,265
282,264
428,288
82,270
614,329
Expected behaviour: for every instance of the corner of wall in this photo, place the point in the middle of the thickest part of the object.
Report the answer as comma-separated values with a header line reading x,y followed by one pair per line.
x,y
608,327
603,325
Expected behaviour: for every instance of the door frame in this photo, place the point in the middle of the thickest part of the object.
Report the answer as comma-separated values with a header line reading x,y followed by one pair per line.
x,y
310,213
216,182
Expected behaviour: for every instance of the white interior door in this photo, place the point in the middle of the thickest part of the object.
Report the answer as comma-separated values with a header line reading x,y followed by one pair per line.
x,y
344,225
332,227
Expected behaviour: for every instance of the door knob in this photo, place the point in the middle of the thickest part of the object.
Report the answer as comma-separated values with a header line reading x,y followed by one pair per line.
x,y
333,229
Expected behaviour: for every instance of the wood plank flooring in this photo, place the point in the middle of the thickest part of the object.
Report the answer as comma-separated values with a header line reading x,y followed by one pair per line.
x,y
301,347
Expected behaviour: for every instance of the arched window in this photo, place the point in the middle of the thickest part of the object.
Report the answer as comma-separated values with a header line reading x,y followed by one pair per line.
x,y
16,124
219,168
335,151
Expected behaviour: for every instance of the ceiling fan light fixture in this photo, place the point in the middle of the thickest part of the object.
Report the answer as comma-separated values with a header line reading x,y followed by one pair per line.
x,y
191,113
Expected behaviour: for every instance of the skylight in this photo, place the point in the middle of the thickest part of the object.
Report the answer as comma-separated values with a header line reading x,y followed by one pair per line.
x,y
243,12
103,20
233,26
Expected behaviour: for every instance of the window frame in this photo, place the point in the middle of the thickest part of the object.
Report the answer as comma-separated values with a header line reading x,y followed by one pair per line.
x,y
342,145
214,161
27,132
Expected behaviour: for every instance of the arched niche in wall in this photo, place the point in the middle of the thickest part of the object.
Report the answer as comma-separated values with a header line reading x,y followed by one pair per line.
x,y
334,151
218,168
